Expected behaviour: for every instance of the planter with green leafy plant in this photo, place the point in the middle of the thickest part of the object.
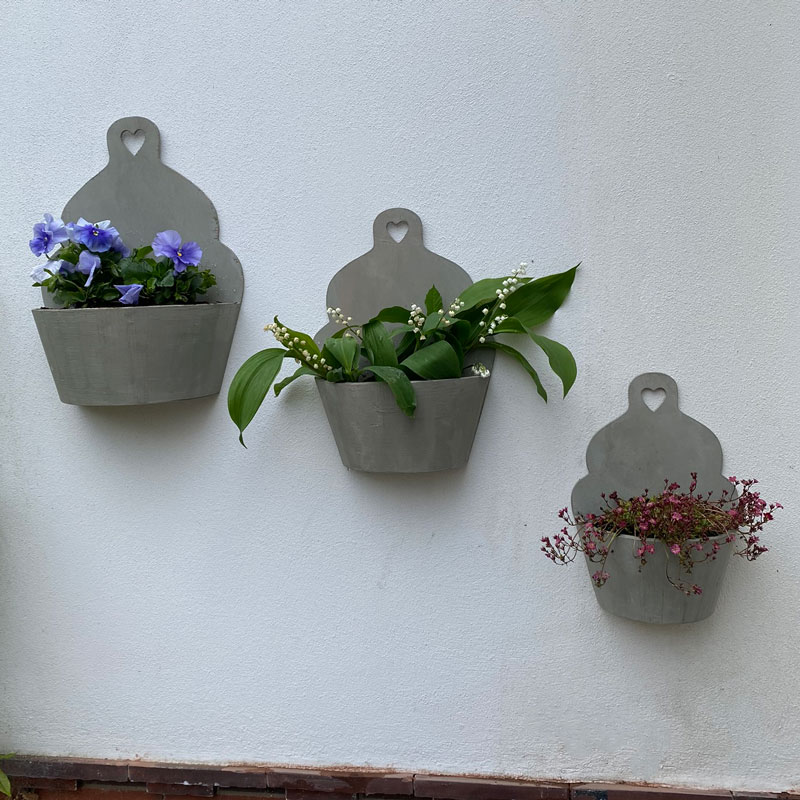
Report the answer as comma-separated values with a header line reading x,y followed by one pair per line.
x,y
404,391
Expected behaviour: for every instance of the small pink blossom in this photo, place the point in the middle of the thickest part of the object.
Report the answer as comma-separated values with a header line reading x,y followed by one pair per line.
x,y
685,521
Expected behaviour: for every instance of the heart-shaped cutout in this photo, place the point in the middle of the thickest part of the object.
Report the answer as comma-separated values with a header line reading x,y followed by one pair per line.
x,y
133,141
397,230
653,398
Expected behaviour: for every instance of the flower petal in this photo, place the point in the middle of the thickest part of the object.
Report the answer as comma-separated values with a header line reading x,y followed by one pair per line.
x,y
166,243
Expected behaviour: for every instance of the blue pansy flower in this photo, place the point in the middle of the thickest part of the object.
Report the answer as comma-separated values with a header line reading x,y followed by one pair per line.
x,y
97,236
66,268
47,234
168,243
130,293
118,246
87,264
38,274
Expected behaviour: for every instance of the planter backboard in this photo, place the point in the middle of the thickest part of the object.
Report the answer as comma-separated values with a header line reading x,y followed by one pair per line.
x,y
638,450
141,196
392,273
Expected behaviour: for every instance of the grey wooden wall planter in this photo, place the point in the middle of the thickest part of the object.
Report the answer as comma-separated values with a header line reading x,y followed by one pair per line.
x,y
646,595
150,354
374,435
371,432
638,451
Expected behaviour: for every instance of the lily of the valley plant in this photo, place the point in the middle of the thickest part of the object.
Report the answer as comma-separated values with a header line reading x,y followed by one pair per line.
x,y
89,266
402,345
686,524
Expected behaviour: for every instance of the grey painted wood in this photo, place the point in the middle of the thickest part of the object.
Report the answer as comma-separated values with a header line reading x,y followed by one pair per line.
x,y
638,451
136,356
142,196
371,432
641,448
374,435
131,355
647,596
392,273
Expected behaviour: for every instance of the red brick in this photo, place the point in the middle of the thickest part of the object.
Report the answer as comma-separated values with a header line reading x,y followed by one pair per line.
x,y
232,777
56,784
73,768
617,791
92,792
453,788
759,796
186,790
302,794
334,782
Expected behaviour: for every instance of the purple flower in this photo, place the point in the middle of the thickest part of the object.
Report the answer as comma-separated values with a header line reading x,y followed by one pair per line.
x,y
66,268
47,234
168,243
97,236
130,293
87,264
38,274
118,246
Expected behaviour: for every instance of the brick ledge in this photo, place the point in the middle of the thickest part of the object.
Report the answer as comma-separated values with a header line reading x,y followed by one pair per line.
x,y
46,778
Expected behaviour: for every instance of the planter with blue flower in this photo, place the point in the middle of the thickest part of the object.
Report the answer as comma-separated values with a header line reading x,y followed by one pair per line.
x,y
139,308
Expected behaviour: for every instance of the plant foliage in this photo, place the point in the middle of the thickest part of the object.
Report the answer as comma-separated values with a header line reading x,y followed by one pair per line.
x,y
686,524
399,346
89,266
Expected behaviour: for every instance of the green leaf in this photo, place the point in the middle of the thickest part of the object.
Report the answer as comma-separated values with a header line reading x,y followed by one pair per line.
x,y
435,362
304,341
433,301
304,370
5,784
406,345
512,351
480,293
460,330
432,321
251,384
511,325
400,385
334,375
561,360
378,343
167,280
537,301
393,314
345,351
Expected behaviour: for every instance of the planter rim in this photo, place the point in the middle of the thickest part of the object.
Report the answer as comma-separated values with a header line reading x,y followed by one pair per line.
x,y
143,308
413,380
696,539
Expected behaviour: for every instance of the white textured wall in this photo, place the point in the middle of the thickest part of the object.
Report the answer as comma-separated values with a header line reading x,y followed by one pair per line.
x,y
166,594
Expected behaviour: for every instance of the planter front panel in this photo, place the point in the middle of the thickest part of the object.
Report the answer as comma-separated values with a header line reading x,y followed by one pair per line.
x,y
646,595
133,356
374,435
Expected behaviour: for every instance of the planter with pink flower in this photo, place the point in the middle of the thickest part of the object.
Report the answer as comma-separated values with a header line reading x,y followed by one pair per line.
x,y
659,556
141,307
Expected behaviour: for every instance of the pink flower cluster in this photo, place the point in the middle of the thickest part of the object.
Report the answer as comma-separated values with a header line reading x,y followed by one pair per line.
x,y
683,522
